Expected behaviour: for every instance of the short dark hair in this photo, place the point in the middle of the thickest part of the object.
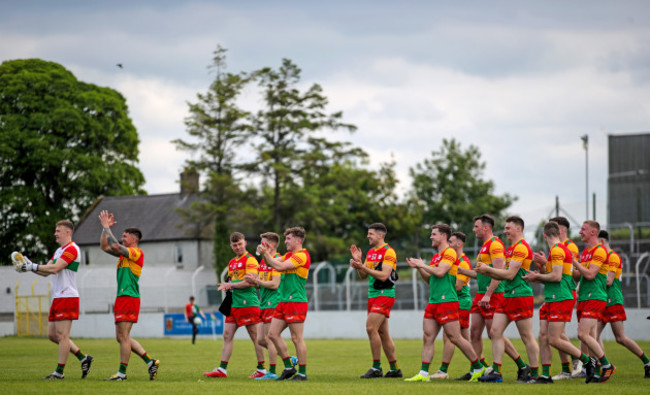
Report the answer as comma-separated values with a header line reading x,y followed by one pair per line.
x,y
562,221
191,298
236,236
271,236
296,231
67,223
552,229
460,236
443,228
135,232
486,219
603,234
516,220
379,227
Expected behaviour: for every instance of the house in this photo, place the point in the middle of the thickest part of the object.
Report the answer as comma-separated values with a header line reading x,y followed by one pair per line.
x,y
166,238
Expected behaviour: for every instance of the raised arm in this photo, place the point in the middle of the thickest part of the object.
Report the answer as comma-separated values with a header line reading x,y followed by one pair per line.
x,y
108,242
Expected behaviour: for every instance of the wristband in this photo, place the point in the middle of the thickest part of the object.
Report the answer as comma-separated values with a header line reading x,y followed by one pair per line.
x,y
35,267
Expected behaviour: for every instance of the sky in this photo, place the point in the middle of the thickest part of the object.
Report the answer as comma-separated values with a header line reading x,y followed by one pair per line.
x,y
521,80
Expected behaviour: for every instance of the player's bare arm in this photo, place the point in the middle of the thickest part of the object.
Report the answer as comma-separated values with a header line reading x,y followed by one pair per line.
x,y
497,263
555,276
46,270
108,242
276,263
539,258
381,275
588,273
500,274
274,283
467,272
611,275
438,271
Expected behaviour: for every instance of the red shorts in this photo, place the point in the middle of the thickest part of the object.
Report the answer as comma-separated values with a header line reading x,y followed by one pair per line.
x,y
381,305
463,316
266,315
487,313
291,312
557,311
575,295
516,308
591,309
614,313
126,309
244,316
64,309
442,312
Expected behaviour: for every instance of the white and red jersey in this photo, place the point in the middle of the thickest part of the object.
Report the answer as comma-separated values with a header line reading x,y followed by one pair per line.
x,y
64,283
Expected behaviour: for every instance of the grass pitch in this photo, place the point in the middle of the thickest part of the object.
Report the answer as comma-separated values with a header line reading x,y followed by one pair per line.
x,y
333,367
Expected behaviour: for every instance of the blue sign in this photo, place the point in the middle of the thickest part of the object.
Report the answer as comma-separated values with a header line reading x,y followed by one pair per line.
x,y
175,324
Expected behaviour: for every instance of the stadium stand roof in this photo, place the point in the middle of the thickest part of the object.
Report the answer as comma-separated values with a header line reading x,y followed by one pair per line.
x,y
155,215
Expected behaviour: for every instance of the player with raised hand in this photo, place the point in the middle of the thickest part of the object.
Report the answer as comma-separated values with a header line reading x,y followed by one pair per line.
x,y
378,267
63,268
127,302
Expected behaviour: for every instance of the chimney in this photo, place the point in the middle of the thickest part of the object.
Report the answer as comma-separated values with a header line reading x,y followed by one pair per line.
x,y
189,181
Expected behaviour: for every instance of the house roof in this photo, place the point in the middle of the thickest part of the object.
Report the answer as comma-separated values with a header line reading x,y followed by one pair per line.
x,y
155,215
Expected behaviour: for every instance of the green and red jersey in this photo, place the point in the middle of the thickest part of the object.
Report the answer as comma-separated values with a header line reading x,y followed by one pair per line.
x,y
443,289
269,298
237,269
595,289
292,285
386,256
493,248
129,269
518,287
614,292
559,255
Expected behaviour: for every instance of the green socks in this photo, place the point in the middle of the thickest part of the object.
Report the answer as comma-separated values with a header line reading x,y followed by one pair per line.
x,y
145,357
566,367
520,363
80,356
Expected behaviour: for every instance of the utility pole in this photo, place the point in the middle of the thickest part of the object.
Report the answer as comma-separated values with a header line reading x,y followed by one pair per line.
x,y
585,145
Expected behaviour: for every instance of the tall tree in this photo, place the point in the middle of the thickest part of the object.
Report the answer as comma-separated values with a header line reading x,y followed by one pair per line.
x,y
218,127
289,116
63,142
450,188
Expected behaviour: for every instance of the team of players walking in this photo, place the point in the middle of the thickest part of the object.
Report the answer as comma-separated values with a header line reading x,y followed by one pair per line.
x,y
504,295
